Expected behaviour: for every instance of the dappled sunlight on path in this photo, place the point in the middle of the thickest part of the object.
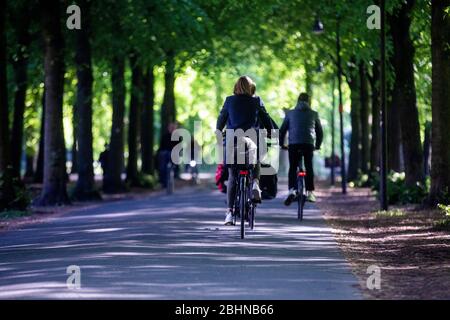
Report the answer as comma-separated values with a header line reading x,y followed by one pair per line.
x,y
176,247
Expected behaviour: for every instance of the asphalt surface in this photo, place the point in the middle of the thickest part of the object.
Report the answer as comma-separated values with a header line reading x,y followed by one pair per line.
x,y
176,247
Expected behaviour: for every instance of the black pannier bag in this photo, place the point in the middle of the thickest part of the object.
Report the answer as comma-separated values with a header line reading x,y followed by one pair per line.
x,y
268,184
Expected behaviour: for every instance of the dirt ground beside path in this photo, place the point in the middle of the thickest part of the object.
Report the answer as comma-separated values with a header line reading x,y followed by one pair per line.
x,y
413,256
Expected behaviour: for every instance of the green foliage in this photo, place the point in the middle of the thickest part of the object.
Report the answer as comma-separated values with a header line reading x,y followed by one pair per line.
x,y
215,41
445,209
148,181
444,222
361,181
145,181
32,119
398,192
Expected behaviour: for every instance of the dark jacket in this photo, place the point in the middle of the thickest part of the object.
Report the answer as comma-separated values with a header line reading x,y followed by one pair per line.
x,y
166,143
243,112
303,125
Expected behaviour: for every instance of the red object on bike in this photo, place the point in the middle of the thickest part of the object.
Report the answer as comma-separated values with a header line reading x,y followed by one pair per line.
x,y
221,177
302,174
243,172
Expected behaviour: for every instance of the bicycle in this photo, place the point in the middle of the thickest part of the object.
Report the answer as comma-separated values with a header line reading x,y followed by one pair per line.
x,y
244,206
193,170
301,190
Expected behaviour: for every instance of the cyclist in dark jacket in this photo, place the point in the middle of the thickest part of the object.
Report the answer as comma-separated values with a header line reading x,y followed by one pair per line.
x,y
305,136
245,111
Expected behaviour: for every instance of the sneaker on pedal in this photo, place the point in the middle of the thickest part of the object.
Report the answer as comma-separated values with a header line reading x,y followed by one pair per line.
x,y
229,218
291,197
256,192
310,197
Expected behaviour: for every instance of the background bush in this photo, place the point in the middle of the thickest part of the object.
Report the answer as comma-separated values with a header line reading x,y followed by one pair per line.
x,y
398,192
16,199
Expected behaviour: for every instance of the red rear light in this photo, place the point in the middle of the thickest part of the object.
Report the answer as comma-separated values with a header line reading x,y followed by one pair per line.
x,y
243,172
302,174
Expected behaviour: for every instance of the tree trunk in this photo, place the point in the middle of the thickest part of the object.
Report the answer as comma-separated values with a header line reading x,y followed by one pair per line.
x,y
21,77
440,159
394,134
427,149
74,150
355,151
364,114
64,153
112,182
405,93
133,122
39,174
168,105
6,190
54,189
375,142
4,110
147,131
29,167
85,187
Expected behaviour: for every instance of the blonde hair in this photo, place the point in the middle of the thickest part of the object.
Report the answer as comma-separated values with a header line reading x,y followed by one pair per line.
x,y
245,85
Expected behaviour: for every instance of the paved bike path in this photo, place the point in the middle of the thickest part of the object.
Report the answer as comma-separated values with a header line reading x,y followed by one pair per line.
x,y
175,247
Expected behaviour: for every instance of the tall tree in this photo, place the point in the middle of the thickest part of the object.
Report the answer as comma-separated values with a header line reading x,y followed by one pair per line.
x,y
147,119
375,97
20,64
364,114
168,106
110,20
112,182
54,189
4,110
133,121
394,133
355,143
74,151
6,190
427,149
85,187
440,160
405,92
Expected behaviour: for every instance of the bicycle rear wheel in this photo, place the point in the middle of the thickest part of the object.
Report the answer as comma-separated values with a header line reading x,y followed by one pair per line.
x,y
300,199
243,205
